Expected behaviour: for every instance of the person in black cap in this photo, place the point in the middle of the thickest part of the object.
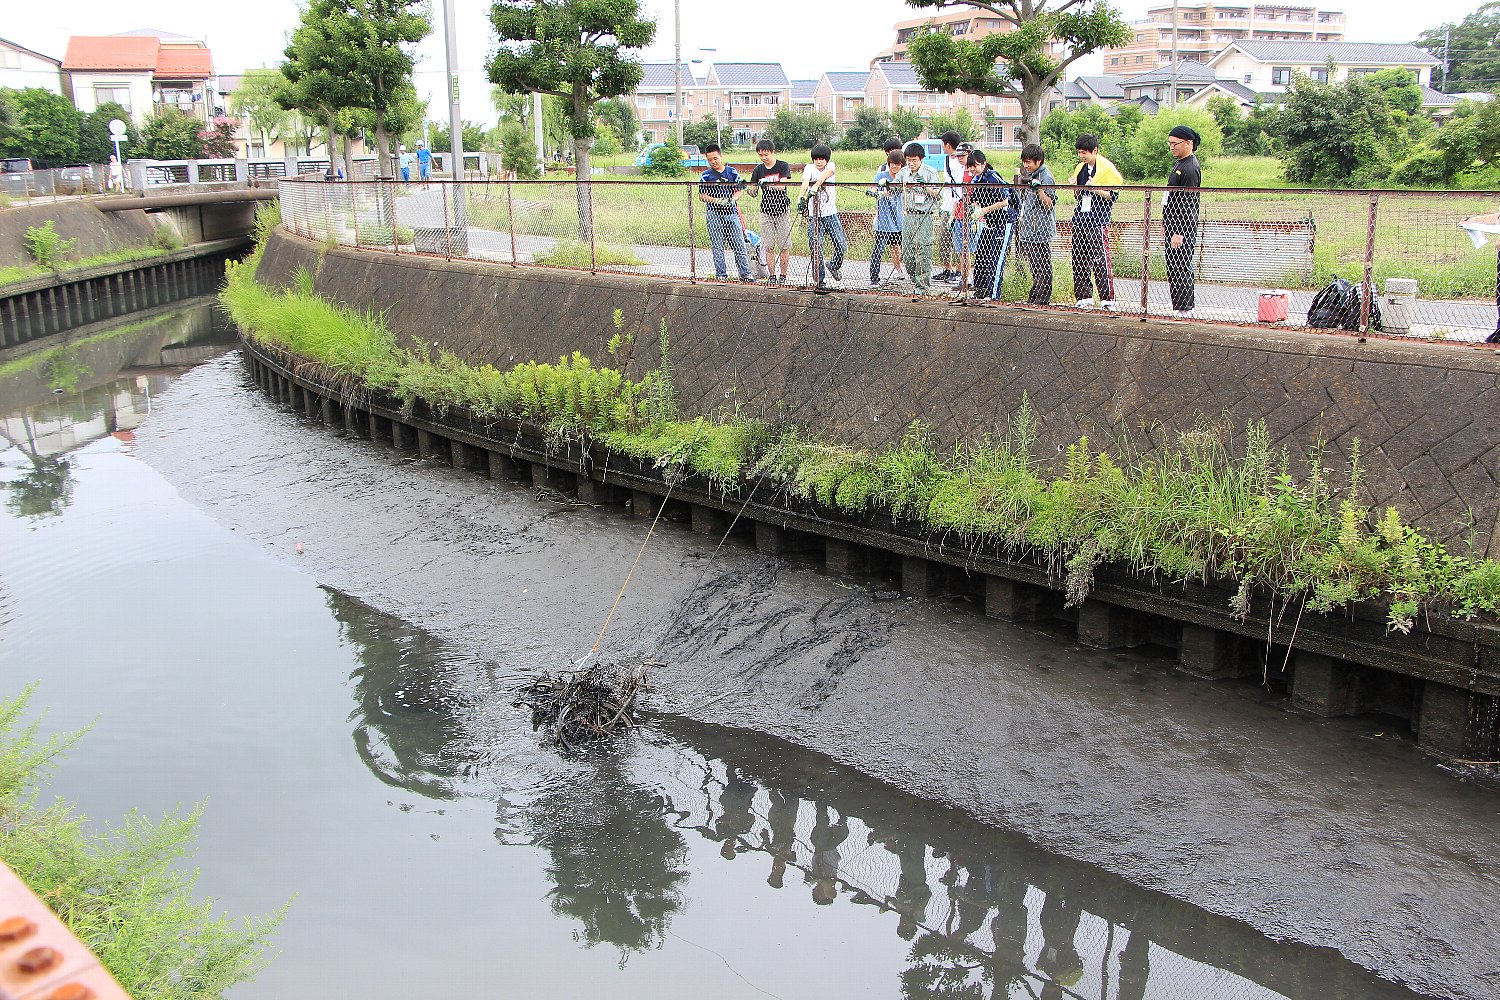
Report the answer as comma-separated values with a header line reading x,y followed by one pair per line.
x,y
1180,216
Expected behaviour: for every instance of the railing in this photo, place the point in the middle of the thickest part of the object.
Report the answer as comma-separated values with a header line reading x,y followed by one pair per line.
x,y
1261,256
40,959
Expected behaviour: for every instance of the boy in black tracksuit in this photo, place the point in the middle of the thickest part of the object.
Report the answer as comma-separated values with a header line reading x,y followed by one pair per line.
x,y
1180,216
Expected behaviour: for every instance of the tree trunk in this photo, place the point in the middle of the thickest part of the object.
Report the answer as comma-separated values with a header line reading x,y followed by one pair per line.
x,y
382,144
348,146
1032,92
332,148
581,174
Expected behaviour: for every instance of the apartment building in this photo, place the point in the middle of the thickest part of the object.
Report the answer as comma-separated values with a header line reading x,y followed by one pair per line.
x,y
1204,29
893,85
803,95
654,99
743,97
841,94
968,23
20,68
146,71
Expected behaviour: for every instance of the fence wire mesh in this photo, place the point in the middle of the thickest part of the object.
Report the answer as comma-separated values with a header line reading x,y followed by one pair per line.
x,y
1257,256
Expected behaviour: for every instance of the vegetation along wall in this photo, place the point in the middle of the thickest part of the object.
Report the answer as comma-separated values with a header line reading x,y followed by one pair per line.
x,y
858,370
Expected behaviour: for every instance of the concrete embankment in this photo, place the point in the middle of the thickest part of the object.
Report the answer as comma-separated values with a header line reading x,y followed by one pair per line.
x,y
858,371
96,232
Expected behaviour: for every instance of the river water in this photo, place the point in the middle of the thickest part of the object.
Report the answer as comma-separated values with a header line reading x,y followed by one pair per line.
x,y
372,770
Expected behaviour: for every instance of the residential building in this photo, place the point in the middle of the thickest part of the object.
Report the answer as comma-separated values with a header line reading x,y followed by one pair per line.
x,y
1205,28
841,94
145,71
21,68
743,97
654,99
1187,79
803,92
893,85
1267,67
1104,91
969,23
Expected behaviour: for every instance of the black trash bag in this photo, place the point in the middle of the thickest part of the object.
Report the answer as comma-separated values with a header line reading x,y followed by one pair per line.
x,y
1338,306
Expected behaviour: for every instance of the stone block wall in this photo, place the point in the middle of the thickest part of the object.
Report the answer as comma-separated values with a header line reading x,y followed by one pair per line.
x,y
860,369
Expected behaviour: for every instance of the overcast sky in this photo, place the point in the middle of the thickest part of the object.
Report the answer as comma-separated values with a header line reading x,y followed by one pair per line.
x,y
806,37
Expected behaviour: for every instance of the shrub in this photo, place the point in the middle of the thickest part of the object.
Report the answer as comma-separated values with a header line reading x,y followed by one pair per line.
x,y
46,247
164,237
665,160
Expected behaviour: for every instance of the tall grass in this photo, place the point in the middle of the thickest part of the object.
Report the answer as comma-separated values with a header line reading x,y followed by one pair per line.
x,y
1200,506
120,890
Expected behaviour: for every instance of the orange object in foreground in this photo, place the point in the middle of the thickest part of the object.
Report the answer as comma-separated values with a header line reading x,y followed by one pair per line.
x,y
40,959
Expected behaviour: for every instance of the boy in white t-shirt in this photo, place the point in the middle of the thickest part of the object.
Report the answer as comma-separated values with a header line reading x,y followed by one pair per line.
x,y
819,198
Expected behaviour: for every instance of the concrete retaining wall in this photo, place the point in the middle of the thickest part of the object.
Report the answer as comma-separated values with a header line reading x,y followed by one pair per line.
x,y
859,369
96,232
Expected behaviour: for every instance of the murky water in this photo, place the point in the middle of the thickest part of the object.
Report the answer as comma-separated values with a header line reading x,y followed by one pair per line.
x,y
374,770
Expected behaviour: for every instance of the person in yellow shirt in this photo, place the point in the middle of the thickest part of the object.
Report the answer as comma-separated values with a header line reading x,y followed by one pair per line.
x,y
1093,181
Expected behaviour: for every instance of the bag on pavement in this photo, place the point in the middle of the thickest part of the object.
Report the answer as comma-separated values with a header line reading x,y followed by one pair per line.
x,y
1338,306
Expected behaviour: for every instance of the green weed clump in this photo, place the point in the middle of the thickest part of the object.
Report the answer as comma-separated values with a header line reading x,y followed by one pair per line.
x,y
120,890
46,247
577,254
1198,507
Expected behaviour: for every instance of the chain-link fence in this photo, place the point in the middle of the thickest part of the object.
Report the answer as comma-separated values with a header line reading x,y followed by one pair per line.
x,y
1382,261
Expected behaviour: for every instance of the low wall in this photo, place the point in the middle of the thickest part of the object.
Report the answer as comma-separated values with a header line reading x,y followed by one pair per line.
x,y
858,370
96,232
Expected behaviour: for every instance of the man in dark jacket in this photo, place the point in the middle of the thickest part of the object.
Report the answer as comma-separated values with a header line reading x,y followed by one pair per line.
x,y
1180,216
988,207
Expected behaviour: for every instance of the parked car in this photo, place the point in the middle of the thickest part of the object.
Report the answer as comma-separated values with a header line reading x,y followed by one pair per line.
x,y
692,156
15,165
75,178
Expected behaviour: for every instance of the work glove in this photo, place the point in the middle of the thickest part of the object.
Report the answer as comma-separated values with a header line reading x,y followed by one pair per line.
x,y
1035,182
802,205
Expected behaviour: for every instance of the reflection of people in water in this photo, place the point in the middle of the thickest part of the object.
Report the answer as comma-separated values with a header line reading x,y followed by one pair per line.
x,y
735,818
971,900
1008,930
1135,967
1059,959
826,838
782,839
912,891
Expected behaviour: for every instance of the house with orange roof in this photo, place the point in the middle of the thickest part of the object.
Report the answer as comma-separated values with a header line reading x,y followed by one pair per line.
x,y
145,70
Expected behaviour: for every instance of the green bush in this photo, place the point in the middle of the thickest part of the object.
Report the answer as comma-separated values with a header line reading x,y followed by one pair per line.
x,y
46,247
1151,159
665,161
164,237
120,890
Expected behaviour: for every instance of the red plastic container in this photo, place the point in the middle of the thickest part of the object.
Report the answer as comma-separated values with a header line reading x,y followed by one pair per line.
x,y
1272,307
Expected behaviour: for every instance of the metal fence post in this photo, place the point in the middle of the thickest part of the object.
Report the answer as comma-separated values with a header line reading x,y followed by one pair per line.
x,y
1368,292
447,226
354,208
692,236
1146,259
395,223
588,189
510,217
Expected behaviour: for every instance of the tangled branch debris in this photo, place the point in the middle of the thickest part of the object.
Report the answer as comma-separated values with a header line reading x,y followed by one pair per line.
x,y
583,706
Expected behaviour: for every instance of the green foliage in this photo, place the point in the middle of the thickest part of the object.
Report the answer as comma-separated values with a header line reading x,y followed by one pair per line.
x,y
46,247
704,131
960,121
165,237
1060,131
1338,134
1151,158
255,100
45,127
1244,134
906,123
576,50
571,253
120,891
171,135
619,114
1400,87
797,129
440,139
1016,63
94,145
1474,58
606,142
1192,507
868,130
518,151
665,160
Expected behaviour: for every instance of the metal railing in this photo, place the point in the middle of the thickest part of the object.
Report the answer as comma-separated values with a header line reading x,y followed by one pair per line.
x,y
1260,256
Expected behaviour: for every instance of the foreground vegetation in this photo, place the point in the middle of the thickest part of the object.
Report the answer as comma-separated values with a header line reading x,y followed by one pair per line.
x,y
1199,506
120,890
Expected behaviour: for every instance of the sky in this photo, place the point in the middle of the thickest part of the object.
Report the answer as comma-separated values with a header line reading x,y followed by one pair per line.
x,y
806,38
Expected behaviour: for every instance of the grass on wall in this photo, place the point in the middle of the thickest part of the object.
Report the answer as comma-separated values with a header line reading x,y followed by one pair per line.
x,y
1207,505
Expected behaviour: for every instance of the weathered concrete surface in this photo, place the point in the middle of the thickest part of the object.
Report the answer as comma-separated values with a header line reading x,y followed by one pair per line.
x,y
1336,833
96,232
859,370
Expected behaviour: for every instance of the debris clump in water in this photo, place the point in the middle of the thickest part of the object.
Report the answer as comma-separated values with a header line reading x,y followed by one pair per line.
x,y
579,707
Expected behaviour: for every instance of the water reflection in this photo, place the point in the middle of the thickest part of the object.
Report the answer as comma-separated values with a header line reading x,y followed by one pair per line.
x,y
973,912
85,385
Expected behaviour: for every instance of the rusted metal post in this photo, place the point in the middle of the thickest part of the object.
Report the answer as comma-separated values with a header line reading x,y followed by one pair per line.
x,y
510,216
1368,292
395,223
692,237
1145,259
593,238
354,209
447,230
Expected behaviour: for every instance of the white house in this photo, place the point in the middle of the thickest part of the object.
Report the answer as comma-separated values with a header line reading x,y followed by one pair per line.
x,y
145,71
21,68
1267,67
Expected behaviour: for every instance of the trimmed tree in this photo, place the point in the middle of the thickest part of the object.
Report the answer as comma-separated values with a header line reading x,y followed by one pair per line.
x,y
318,81
255,101
576,50
50,125
1016,63
94,145
171,135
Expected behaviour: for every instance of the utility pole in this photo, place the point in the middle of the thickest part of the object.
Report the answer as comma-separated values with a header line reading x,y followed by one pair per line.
x,y
1447,38
677,69
536,131
455,119
1172,80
